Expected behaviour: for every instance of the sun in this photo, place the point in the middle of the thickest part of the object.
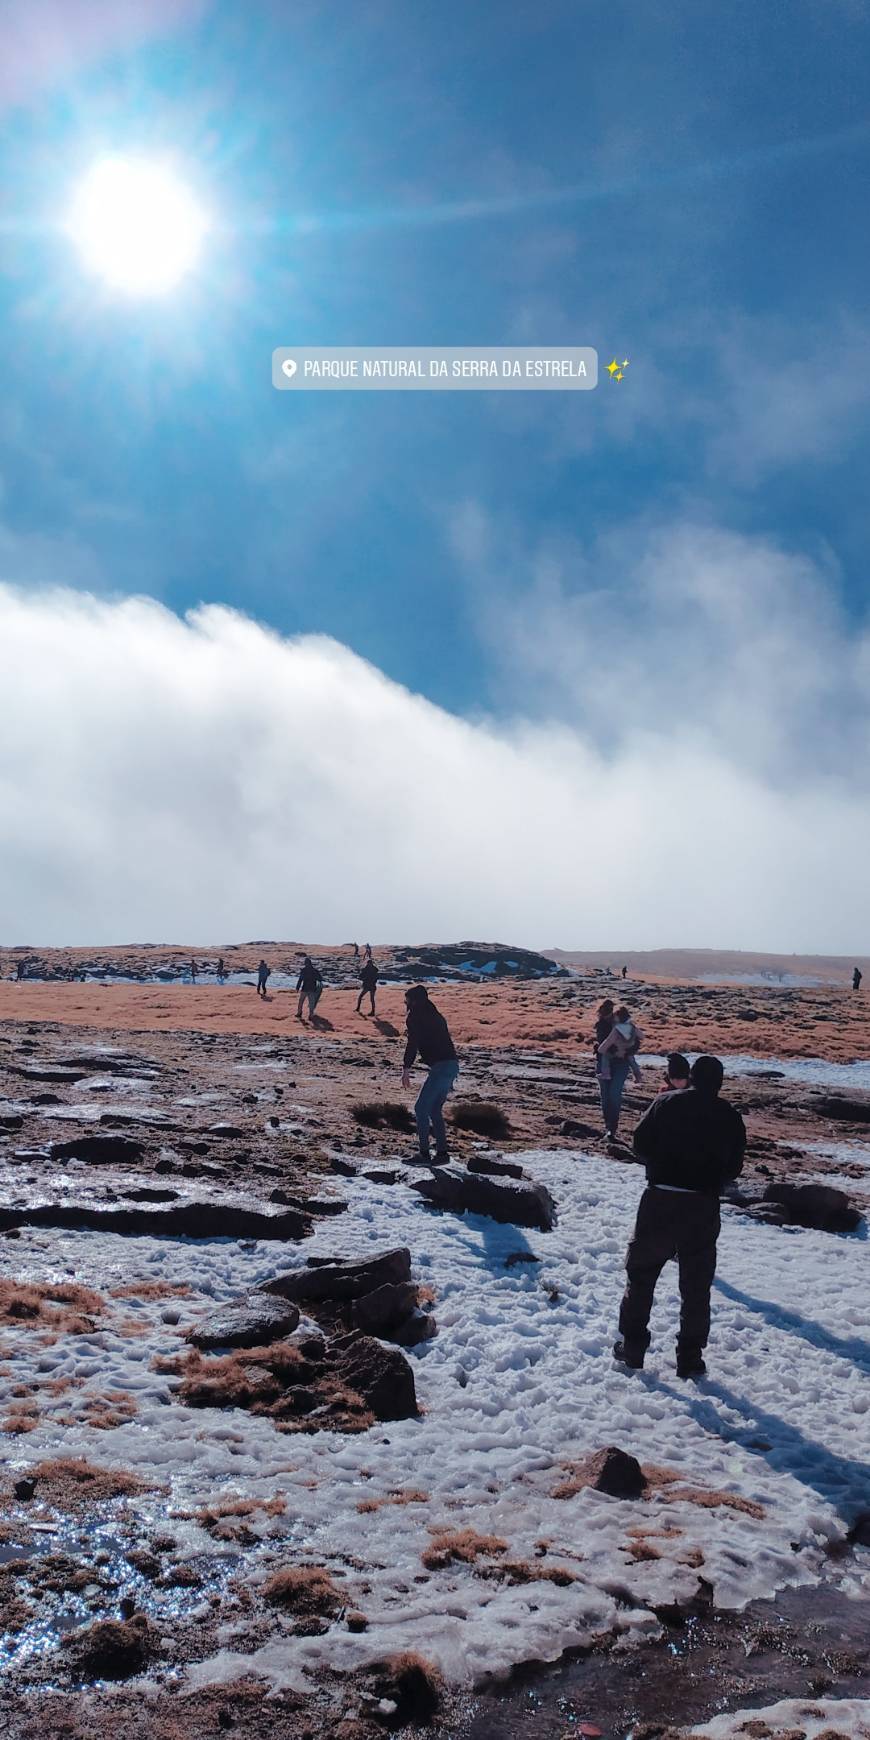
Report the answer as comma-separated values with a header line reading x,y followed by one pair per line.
x,y
136,225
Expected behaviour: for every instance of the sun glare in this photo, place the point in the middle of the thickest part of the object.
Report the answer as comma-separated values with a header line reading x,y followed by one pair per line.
x,y
136,225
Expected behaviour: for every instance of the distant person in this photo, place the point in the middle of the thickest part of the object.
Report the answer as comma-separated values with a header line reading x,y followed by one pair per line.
x,y
857,976
625,972
429,1036
193,972
368,980
616,1059
356,951
20,971
263,972
677,1073
368,952
310,987
221,973
692,1144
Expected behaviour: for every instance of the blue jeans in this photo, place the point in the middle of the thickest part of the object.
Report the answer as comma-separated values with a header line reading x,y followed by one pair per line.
x,y
430,1101
611,1092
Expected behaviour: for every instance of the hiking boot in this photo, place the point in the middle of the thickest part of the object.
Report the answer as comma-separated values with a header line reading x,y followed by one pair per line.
x,y
442,1159
632,1357
690,1365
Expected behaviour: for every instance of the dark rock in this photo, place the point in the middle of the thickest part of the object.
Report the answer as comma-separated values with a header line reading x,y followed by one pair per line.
x,y
112,1649
24,1488
336,1280
383,1174
252,1322
225,1130
859,1533
843,1110
146,1194
37,1072
196,1220
573,1127
420,1326
814,1205
379,1312
99,1150
324,1205
345,1168
512,1202
613,1471
380,1375
10,1121
494,1168
284,1197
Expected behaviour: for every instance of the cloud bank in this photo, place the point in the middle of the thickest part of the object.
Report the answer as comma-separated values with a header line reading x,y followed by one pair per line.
x,y
698,777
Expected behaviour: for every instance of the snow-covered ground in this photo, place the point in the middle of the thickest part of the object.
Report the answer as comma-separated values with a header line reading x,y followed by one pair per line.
x,y
519,1381
813,1718
812,1071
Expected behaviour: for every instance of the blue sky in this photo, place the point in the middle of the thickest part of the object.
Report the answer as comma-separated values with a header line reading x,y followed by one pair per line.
x,y
682,182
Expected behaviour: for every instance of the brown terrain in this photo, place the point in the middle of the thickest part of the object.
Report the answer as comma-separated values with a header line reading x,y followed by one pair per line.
x,y
245,1111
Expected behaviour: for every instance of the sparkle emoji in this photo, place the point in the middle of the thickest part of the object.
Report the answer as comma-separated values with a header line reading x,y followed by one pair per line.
x,y
612,368
617,370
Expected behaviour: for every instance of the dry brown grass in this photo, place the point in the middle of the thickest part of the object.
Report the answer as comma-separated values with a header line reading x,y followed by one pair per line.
x,y
412,1683
72,1484
63,1308
400,1495
305,1590
666,1484
229,1519
460,1546
152,1290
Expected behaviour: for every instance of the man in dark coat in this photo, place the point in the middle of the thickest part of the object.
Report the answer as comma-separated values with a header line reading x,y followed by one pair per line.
x,y
368,981
692,1144
309,985
429,1035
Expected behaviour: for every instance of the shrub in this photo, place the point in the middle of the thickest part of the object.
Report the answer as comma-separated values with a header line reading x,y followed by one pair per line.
x,y
482,1117
380,1114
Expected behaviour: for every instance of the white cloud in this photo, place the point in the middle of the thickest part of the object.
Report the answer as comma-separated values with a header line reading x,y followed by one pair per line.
x,y
203,780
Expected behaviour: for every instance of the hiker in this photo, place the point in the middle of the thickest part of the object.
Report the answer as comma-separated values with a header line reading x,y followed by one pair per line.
x,y
677,1072
625,972
356,951
368,953
368,985
429,1035
615,1058
221,974
263,972
692,1144
193,972
310,986
857,976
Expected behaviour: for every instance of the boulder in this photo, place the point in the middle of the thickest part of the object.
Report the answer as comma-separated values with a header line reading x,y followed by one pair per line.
x,y
815,1205
843,1110
252,1322
573,1127
494,1168
99,1150
610,1470
337,1280
380,1375
507,1200
383,1310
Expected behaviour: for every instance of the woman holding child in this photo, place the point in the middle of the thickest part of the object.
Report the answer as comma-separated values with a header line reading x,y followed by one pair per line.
x,y
616,1044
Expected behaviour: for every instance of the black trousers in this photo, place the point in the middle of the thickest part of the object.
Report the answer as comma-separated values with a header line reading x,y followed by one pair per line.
x,y
671,1225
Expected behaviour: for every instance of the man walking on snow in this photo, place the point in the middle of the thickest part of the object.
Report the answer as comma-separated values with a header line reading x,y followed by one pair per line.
x,y
429,1035
692,1143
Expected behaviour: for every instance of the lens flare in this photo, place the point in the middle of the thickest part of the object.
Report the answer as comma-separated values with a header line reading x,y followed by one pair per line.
x,y
136,225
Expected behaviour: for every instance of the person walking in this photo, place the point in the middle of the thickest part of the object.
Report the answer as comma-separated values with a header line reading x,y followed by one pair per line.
x,y
615,1059
625,972
429,1036
220,974
310,986
367,955
857,976
263,972
692,1143
193,972
368,985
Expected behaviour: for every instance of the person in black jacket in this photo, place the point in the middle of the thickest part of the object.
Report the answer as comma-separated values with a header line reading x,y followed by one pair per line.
x,y
692,1144
368,980
309,985
429,1035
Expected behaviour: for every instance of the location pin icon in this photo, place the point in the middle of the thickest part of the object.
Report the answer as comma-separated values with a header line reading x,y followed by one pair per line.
x,y
288,367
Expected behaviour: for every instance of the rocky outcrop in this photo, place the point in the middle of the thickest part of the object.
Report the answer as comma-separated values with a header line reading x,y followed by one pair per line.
x,y
192,1220
307,1384
516,1203
99,1150
343,1280
381,1375
251,1322
843,1110
482,1163
813,1205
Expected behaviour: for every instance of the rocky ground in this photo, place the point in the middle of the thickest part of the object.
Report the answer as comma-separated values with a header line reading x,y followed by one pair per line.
x,y
162,1112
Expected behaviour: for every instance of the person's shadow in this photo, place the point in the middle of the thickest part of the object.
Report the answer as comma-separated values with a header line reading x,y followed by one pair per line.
x,y
845,1347
321,1023
386,1028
